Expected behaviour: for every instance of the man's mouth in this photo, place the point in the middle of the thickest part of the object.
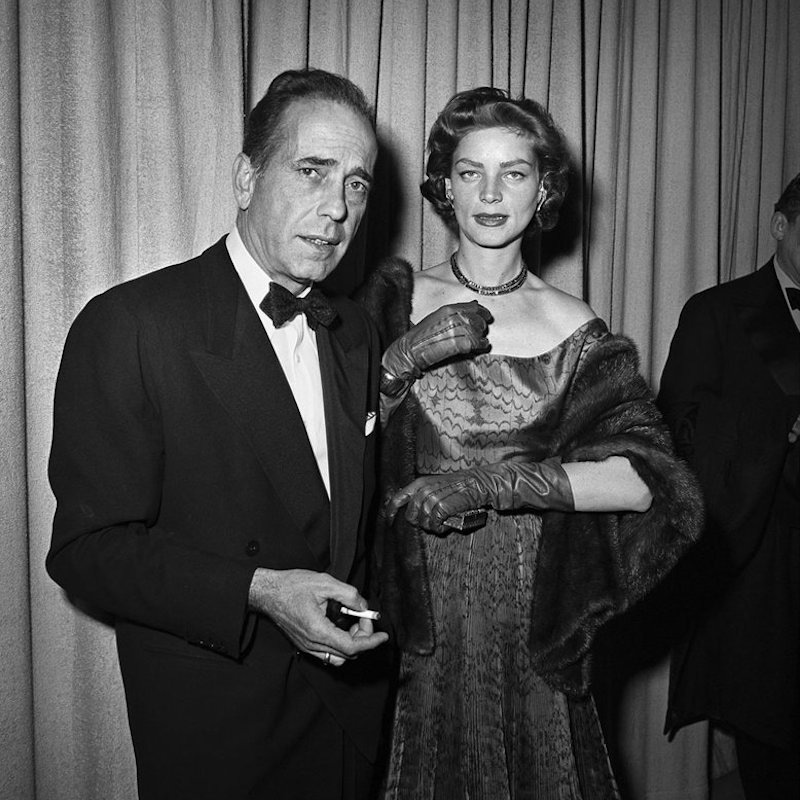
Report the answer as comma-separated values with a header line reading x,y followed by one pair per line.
x,y
321,241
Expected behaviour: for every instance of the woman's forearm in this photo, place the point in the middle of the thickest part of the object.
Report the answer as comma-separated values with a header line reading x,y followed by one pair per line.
x,y
610,485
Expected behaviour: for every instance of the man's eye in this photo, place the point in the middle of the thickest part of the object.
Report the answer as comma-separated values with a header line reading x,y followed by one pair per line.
x,y
309,172
358,187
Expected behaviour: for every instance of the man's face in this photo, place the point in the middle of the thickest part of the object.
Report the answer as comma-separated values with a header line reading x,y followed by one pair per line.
x,y
787,243
299,214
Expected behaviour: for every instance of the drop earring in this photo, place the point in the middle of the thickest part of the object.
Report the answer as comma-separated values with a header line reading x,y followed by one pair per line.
x,y
542,198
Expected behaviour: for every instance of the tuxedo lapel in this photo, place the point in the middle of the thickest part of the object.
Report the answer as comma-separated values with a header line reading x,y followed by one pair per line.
x,y
766,320
242,370
343,365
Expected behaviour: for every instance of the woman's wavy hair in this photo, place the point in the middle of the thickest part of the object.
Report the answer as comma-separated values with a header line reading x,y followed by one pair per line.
x,y
486,107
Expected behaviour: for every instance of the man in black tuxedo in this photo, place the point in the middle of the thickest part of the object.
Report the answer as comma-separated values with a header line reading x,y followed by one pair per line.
x,y
212,462
731,392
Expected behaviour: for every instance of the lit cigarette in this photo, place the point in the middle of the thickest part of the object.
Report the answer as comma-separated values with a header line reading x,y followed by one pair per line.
x,y
363,614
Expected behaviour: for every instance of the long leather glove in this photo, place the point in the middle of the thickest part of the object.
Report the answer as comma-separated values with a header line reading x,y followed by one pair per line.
x,y
505,486
451,330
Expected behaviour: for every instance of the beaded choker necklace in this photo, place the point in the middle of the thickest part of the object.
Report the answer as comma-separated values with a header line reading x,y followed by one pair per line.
x,y
503,288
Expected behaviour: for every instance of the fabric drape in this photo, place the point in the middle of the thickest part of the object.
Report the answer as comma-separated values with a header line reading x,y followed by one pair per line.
x,y
129,118
16,722
119,125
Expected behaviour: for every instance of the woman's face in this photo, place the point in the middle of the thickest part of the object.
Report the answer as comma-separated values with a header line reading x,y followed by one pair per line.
x,y
494,184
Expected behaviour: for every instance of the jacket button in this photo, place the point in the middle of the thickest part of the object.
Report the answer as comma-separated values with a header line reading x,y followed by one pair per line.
x,y
252,548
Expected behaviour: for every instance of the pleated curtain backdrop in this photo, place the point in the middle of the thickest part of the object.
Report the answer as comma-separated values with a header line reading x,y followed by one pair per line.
x,y
119,124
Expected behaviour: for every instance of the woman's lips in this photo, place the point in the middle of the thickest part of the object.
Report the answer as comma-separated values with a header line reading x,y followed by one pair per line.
x,y
490,220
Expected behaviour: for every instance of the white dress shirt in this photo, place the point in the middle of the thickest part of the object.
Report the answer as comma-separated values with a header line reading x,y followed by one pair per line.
x,y
786,282
295,344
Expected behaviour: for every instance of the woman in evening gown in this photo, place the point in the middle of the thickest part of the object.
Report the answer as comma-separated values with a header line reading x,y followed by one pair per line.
x,y
530,488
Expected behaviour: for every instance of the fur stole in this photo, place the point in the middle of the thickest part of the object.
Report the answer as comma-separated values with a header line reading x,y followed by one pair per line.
x,y
403,574
594,566
591,566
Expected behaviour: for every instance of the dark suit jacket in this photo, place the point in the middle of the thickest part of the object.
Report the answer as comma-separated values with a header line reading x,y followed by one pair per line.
x,y
180,464
731,391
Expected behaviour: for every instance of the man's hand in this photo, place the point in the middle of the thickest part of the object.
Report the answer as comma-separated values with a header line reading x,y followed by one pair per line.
x,y
451,330
296,601
794,433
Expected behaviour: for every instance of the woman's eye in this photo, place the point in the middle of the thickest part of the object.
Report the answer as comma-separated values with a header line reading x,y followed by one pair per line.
x,y
468,175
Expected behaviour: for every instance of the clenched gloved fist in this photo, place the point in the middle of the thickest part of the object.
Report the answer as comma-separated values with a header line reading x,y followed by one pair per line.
x,y
449,331
505,486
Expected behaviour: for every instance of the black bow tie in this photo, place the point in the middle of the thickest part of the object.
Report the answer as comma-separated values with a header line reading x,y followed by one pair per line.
x,y
280,305
794,297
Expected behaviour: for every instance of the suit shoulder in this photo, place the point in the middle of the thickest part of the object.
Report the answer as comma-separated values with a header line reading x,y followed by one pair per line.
x,y
164,289
164,301
728,292
172,279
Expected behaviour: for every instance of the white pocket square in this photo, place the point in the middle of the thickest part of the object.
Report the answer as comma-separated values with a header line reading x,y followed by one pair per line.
x,y
370,423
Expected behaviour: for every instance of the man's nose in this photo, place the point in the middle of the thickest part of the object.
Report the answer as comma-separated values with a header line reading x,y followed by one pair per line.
x,y
333,204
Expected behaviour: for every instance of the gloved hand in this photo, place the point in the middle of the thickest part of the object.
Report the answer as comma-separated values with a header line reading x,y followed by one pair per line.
x,y
505,486
449,331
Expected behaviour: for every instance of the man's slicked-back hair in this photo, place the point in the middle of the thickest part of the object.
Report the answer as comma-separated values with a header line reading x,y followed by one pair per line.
x,y
264,127
789,202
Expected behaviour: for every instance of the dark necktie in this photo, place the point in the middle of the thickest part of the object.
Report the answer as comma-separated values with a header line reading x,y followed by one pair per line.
x,y
794,297
280,305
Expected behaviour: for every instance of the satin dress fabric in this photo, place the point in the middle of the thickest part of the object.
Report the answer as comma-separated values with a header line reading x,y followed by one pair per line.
x,y
474,720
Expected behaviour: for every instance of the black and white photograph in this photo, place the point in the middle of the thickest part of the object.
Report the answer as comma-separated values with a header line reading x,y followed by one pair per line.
x,y
400,400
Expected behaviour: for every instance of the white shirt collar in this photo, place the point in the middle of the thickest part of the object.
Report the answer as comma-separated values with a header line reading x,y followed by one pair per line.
x,y
784,278
785,282
256,281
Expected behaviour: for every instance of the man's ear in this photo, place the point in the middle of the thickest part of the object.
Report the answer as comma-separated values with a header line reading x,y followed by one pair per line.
x,y
244,180
777,225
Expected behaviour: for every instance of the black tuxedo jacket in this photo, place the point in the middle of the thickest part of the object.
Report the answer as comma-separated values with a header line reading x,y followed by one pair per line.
x,y
731,391
180,464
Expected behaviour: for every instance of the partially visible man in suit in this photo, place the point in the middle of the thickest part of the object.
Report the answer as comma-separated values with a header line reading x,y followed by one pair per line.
x,y
731,392
212,462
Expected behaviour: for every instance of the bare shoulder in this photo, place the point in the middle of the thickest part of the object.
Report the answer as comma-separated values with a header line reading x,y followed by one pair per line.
x,y
535,320
566,312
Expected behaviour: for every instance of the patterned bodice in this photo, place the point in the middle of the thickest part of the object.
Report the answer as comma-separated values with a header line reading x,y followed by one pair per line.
x,y
488,407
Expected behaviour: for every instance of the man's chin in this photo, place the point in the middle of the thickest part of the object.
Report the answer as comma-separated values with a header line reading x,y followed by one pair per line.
x,y
318,267
315,272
